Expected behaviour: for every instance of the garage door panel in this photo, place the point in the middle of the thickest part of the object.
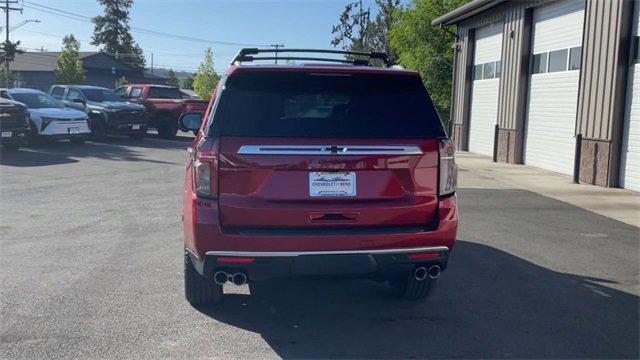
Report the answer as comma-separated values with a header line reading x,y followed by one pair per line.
x,y
630,159
484,94
553,97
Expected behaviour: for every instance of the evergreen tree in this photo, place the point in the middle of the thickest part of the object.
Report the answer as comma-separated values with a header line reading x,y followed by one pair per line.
x,y
205,78
112,31
69,69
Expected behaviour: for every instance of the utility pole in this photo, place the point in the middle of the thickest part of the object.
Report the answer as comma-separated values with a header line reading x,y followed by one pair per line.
x,y
152,63
277,46
7,9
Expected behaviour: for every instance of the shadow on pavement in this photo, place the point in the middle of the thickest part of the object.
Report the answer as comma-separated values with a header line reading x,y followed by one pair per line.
x,y
64,152
488,304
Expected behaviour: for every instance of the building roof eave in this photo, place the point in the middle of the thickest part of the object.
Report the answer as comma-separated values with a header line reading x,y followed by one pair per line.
x,y
465,11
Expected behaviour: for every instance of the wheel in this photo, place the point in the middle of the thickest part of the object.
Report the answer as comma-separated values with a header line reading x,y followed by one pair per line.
x,y
78,140
34,137
409,288
139,135
167,127
11,147
197,288
98,129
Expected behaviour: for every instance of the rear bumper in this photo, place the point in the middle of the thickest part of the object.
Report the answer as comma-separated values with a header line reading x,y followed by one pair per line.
x,y
321,253
381,264
128,128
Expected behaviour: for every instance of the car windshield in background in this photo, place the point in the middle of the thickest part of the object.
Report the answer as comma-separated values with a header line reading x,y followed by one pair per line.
x,y
36,100
326,105
164,93
100,95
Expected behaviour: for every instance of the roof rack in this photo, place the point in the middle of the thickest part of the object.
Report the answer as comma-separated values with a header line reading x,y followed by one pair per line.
x,y
246,55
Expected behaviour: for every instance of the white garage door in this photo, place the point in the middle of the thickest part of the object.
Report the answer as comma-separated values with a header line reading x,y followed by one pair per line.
x,y
553,92
630,160
484,98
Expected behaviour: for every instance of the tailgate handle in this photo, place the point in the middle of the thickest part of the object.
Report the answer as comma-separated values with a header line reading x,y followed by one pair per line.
x,y
319,217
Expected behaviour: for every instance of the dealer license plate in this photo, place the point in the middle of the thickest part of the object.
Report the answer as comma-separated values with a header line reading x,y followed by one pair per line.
x,y
332,184
74,130
135,127
7,134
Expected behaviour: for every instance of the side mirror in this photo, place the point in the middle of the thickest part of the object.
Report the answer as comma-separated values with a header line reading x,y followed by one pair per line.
x,y
191,121
78,101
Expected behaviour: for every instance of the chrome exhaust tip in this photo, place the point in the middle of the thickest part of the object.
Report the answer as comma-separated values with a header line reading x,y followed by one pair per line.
x,y
434,271
220,277
239,279
420,273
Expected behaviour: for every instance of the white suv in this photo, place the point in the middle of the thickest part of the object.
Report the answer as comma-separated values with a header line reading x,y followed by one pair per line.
x,y
49,118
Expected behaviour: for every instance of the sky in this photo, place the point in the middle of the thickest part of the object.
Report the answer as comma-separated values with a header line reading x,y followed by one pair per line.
x,y
294,23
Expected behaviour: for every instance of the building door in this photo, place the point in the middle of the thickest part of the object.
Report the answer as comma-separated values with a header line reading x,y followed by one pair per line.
x,y
630,159
553,91
486,80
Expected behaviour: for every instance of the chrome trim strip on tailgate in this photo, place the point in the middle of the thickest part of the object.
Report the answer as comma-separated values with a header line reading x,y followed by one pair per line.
x,y
329,150
340,252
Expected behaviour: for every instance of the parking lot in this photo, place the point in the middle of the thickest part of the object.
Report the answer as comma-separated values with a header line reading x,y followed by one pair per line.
x,y
91,267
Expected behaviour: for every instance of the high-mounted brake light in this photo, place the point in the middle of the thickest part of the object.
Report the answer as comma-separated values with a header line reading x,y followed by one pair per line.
x,y
205,169
448,168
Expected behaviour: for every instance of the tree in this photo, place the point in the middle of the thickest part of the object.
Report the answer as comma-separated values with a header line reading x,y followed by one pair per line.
x,y
69,69
356,31
205,79
8,51
121,81
111,30
426,48
172,79
187,83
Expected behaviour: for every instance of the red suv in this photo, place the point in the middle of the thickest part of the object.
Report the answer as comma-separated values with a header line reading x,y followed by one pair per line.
x,y
318,169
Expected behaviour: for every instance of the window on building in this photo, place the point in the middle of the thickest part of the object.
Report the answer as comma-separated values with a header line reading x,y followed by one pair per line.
x,y
558,60
575,58
498,70
477,72
539,63
489,70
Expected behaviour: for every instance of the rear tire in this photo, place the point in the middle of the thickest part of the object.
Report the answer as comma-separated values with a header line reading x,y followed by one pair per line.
x,y
409,288
197,288
167,127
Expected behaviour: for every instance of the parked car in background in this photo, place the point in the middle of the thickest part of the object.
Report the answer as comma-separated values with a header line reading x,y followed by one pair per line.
x,y
339,170
164,104
49,119
14,124
109,114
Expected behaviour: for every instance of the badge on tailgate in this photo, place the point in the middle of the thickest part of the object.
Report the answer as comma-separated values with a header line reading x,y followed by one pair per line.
x,y
332,184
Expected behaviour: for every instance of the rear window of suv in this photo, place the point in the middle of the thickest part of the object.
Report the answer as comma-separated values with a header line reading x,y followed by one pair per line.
x,y
301,104
164,93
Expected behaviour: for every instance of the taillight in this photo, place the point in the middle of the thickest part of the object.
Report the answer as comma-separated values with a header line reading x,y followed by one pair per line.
x,y
205,169
448,168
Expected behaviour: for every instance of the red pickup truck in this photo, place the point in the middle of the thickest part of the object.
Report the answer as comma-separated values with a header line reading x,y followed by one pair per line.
x,y
164,104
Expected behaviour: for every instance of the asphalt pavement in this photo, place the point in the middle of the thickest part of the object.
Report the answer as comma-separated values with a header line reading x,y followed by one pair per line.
x,y
91,267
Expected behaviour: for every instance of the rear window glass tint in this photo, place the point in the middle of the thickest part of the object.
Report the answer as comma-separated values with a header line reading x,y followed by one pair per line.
x,y
301,104
164,93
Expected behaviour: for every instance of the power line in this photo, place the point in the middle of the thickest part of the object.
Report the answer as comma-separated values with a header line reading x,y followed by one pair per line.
x,y
70,15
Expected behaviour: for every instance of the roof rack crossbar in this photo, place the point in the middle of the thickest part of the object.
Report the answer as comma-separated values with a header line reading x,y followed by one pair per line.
x,y
244,55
